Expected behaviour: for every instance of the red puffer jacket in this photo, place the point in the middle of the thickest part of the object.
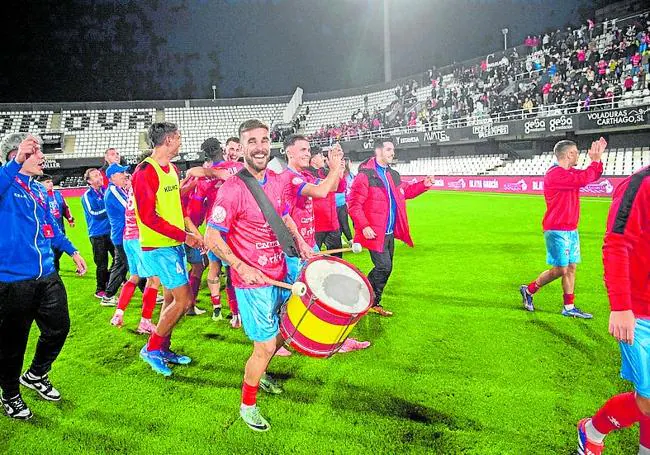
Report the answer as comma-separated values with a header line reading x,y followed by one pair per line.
x,y
369,205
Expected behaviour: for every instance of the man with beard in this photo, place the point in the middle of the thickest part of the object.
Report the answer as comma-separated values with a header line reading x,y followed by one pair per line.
x,y
255,256
111,156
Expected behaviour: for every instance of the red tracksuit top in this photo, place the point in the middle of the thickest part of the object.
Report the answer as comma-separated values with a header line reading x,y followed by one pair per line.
x,y
626,251
562,194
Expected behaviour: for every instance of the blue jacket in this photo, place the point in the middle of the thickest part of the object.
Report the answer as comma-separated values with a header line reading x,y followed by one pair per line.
x,y
95,212
25,252
115,201
58,207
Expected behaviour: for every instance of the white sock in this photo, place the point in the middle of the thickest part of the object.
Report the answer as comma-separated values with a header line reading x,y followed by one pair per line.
x,y
119,312
245,407
592,433
569,307
643,450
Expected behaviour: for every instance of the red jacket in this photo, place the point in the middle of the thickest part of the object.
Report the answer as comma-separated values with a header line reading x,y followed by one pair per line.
x,y
626,251
562,194
325,216
369,205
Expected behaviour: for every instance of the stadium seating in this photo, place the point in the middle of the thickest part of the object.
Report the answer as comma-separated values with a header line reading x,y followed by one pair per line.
x,y
25,121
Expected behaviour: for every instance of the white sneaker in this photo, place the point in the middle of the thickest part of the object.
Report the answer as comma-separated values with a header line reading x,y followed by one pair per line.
x,y
108,301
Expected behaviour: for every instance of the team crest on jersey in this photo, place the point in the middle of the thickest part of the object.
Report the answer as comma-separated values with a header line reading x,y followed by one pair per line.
x,y
218,214
297,181
262,260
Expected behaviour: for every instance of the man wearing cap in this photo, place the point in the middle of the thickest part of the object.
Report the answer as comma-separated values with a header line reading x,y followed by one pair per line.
x,y
115,201
99,228
30,287
59,210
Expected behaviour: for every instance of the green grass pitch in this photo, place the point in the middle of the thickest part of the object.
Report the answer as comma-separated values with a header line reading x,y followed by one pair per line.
x,y
460,368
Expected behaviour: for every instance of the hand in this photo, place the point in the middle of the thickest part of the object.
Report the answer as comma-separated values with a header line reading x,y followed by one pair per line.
x,y
71,224
335,158
306,251
80,263
250,275
26,149
369,233
192,240
621,326
597,148
428,181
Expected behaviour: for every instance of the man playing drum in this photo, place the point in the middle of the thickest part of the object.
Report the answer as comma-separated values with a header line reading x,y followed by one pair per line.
x,y
255,256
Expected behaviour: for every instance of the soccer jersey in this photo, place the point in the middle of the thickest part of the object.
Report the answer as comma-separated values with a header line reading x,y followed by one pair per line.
x,y
562,195
202,199
237,214
301,208
131,231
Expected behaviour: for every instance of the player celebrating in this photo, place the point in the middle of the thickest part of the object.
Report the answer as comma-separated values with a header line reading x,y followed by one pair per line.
x,y
562,185
626,260
160,220
255,255
378,210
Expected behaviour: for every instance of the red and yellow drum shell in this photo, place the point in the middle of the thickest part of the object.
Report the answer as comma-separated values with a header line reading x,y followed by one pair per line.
x,y
314,328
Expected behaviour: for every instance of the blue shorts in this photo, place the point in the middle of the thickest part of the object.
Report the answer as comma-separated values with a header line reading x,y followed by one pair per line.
x,y
193,255
635,359
295,265
168,264
213,257
134,258
562,248
260,311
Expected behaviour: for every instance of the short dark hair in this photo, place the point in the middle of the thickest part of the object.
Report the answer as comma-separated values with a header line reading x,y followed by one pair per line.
x,y
232,139
379,142
159,131
212,149
561,147
292,139
44,177
316,150
251,124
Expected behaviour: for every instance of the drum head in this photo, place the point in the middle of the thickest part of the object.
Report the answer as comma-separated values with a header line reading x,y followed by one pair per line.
x,y
338,286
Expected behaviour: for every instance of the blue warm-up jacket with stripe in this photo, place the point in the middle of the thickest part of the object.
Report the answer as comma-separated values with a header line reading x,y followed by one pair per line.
x,y
95,212
115,201
25,252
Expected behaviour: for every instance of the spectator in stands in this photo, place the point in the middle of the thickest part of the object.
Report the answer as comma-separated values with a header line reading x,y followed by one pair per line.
x,y
99,228
111,156
115,202
30,287
59,210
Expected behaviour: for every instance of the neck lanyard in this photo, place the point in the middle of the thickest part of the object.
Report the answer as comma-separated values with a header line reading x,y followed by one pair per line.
x,y
38,198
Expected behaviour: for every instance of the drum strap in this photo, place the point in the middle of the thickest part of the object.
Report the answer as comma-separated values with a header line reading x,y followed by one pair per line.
x,y
278,227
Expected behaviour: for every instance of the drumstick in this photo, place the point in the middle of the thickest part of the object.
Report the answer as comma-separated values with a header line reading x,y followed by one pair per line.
x,y
298,288
356,248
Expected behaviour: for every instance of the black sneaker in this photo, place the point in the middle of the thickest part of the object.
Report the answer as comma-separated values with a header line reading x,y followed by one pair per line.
x,y
42,385
16,408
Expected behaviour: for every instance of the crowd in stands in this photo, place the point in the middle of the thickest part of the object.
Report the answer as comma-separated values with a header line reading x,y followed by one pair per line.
x,y
566,71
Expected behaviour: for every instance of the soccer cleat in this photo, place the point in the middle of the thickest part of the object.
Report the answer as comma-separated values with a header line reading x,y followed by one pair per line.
x,y
585,446
526,298
146,326
108,301
235,322
156,361
195,311
177,359
269,385
283,352
381,311
351,344
117,320
252,417
16,408
42,385
100,294
575,312
216,314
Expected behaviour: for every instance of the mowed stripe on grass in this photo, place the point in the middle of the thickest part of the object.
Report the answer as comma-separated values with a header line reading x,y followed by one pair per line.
x,y
460,368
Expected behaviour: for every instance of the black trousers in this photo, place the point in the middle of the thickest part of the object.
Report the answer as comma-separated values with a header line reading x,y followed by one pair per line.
x,y
102,247
57,258
383,263
331,239
21,303
344,221
118,271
